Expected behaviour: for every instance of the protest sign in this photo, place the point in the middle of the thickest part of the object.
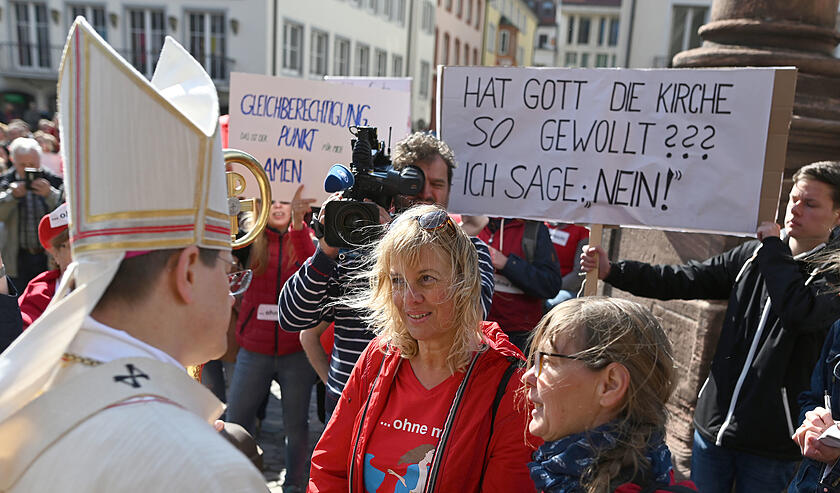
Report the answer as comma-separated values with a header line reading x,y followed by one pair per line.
x,y
298,128
692,149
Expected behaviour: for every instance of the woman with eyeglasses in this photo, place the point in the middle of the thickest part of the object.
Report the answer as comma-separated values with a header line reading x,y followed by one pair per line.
x,y
432,403
819,468
266,352
600,376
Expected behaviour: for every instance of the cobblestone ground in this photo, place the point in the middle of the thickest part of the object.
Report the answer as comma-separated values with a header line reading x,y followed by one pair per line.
x,y
271,438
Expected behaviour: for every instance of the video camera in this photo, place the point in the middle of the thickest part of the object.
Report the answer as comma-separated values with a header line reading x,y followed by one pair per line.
x,y
350,222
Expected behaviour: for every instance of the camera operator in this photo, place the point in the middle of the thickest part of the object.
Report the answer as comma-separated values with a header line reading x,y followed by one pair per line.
x,y
305,300
27,192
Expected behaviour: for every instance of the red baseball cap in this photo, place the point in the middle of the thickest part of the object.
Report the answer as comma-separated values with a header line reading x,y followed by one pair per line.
x,y
51,225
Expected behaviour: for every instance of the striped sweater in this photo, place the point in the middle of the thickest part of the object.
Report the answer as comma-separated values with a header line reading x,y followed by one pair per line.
x,y
307,300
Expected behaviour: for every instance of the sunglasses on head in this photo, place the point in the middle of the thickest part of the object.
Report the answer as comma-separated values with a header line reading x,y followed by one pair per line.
x,y
434,220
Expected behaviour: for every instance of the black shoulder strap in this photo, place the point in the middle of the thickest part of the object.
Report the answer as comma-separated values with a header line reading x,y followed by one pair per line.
x,y
529,240
500,392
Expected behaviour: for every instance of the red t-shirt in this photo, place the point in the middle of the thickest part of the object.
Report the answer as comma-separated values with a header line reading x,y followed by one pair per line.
x,y
402,445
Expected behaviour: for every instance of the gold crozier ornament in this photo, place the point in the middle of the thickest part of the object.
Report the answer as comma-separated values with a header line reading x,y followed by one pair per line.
x,y
235,186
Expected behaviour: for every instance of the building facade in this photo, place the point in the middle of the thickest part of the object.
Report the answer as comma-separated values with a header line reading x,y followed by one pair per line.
x,y
509,31
545,47
662,28
589,33
221,35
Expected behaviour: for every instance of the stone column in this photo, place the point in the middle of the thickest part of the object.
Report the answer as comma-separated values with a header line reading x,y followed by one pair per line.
x,y
742,33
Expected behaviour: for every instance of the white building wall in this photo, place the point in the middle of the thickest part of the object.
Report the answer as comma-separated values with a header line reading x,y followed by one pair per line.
x,y
576,54
653,29
545,56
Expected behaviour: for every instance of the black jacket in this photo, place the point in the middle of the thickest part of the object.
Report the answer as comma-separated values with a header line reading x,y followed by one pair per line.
x,y
779,353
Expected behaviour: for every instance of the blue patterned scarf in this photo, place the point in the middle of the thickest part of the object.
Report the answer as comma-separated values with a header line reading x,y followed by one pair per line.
x,y
559,465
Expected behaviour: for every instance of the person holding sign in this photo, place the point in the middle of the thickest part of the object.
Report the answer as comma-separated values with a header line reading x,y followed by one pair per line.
x,y
780,307
267,353
432,404
310,295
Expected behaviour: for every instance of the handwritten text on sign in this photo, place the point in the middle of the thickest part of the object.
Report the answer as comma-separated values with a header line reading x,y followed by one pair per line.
x,y
298,128
672,149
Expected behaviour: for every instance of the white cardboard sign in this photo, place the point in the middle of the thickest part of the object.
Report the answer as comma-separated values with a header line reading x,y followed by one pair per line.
x,y
298,128
667,149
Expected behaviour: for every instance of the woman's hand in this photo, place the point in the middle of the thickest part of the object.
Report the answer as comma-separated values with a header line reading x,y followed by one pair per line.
x,y
807,436
299,209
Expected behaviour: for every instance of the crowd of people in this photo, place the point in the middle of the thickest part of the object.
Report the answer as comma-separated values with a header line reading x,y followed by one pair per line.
x,y
454,352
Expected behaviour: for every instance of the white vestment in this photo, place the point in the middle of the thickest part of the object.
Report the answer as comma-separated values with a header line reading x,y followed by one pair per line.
x,y
143,444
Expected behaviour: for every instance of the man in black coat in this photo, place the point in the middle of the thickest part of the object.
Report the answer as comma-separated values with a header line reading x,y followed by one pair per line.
x,y
780,309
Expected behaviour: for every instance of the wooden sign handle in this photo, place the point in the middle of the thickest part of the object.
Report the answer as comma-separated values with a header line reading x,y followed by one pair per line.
x,y
591,285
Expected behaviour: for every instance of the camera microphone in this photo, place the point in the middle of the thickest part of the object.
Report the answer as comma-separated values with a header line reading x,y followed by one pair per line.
x,y
338,178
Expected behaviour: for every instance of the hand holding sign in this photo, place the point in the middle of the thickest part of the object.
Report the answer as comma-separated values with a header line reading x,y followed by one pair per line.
x,y
299,209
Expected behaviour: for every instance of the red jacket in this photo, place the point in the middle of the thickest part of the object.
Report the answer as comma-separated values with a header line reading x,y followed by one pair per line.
x,y
38,294
265,336
463,457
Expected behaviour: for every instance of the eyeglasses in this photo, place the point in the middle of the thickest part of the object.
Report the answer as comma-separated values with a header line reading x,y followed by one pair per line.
x,y
239,281
434,220
539,359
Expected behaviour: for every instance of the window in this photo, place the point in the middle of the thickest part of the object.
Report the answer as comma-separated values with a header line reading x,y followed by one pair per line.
x,y
478,14
612,62
400,12
601,60
341,56
571,59
613,39
424,80
33,40
396,66
584,59
491,36
381,58
504,42
542,41
373,5
466,53
445,57
457,51
95,15
427,22
602,27
570,36
207,42
583,31
685,21
387,8
146,33
362,59
449,5
460,10
475,56
293,47
318,47
469,11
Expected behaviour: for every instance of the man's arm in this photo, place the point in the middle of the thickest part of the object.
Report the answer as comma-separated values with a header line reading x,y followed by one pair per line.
x,y
310,339
486,270
304,299
542,277
710,279
801,303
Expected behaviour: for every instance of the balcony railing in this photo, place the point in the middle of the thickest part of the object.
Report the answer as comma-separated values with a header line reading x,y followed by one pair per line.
x,y
30,62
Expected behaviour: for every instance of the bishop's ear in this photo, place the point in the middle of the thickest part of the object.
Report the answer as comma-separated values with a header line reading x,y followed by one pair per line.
x,y
183,274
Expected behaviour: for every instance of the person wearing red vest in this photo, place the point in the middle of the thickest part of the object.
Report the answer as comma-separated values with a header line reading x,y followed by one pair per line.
x,y
568,240
521,285
267,352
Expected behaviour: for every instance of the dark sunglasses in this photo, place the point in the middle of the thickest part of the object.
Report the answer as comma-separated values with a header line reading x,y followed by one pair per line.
x,y
434,220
